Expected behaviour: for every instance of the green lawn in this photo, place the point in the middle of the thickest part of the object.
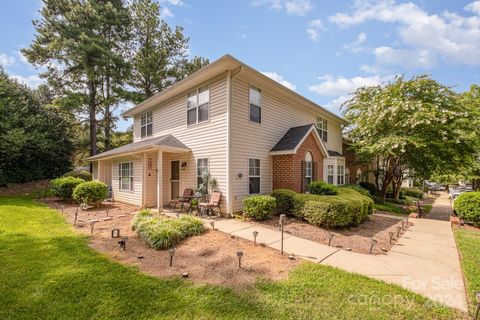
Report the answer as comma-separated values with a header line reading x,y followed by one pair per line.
x,y
47,271
468,242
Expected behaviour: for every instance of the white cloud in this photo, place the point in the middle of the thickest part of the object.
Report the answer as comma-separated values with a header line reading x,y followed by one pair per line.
x,y
314,28
178,3
356,45
6,60
275,76
32,81
165,12
473,7
294,7
242,36
335,86
453,38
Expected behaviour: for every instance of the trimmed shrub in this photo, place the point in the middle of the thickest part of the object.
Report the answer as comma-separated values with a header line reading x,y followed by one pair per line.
x,y
284,200
412,192
322,188
82,174
63,187
90,192
258,207
161,233
359,189
348,208
467,207
371,187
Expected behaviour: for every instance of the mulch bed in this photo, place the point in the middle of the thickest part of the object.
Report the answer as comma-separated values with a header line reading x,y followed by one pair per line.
x,y
208,258
357,239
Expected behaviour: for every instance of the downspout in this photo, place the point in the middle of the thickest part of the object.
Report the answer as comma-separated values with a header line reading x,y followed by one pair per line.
x,y
229,152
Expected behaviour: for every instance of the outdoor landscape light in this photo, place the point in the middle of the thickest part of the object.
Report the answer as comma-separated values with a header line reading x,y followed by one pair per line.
x,y
115,233
178,215
84,206
185,274
212,223
255,234
184,165
92,224
76,216
108,210
391,233
398,231
403,224
171,252
330,237
63,208
373,242
123,243
239,256
407,220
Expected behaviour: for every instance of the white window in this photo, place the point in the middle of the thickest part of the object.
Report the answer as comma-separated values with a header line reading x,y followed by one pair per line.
x,y
125,176
322,127
340,175
146,124
308,168
253,176
198,105
330,174
202,167
255,101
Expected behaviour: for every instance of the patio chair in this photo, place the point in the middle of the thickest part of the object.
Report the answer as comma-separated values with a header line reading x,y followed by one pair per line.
x,y
214,202
182,200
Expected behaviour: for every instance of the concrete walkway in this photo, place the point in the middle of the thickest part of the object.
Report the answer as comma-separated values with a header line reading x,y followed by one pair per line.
x,y
425,259
441,208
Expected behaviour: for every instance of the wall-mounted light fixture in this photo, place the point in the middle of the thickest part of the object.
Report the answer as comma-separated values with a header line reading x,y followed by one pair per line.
x,y
184,165
239,175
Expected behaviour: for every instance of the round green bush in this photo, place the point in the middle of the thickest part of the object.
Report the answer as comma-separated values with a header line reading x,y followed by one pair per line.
x,y
323,188
467,207
82,174
90,192
348,208
64,186
284,200
258,207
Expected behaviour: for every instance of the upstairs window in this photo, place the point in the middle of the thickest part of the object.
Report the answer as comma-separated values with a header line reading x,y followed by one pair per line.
x,y
330,174
255,101
198,105
322,128
253,176
146,125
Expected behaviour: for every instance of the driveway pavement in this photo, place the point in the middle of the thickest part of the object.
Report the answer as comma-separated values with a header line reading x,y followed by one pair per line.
x,y
424,260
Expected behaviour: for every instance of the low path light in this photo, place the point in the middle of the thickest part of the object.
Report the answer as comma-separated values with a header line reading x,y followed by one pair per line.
x,y
212,223
92,224
373,242
403,223
255,235
63,208
123,243
171,253
76,216
108,210
398,231
330,237
239,256
391,234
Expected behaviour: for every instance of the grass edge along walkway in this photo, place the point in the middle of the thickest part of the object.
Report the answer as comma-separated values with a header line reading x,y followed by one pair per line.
x,y
47,271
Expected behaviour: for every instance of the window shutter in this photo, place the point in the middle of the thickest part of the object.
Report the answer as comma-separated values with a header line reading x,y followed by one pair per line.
x,y
314,171
304,187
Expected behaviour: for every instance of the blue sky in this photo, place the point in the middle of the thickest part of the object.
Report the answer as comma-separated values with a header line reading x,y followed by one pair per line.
x,y
323,50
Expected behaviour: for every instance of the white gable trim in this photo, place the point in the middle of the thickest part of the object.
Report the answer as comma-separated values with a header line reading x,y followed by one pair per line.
x,y
319,141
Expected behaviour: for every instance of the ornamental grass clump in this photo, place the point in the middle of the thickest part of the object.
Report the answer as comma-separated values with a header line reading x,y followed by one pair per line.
x,y
164,233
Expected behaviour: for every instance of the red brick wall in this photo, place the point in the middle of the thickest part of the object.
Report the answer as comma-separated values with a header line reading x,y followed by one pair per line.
x,y
287,169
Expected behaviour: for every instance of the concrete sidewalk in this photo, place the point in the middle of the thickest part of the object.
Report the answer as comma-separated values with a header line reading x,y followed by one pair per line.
x,y
425,259
441,209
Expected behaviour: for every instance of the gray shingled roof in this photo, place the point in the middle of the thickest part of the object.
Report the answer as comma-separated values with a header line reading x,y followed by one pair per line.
x,y
332,153
165,141
292,138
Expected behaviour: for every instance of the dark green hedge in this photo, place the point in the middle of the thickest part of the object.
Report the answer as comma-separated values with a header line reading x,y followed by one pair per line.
x,y
284,200
467,207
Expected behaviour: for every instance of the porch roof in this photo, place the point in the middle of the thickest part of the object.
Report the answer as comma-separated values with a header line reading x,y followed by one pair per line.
x,y
294,137
166,143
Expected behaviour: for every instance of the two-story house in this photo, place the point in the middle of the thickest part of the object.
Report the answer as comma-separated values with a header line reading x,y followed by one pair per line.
x,y
251,133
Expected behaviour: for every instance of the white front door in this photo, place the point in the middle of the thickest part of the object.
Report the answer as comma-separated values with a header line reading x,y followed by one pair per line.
x,y
174,179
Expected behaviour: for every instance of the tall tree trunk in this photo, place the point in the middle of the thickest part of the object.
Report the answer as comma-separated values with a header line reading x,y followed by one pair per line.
x,y
107,128
92,111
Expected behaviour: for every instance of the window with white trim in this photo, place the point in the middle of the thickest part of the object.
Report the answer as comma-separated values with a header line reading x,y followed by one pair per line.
x,y
308,168
125,176
322,128
202,167
198,105
255,101
146,125
330,173
340,175
253,176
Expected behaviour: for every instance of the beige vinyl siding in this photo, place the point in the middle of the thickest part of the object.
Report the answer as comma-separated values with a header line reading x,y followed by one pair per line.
x,y
150,180
95,170
206,139
105,171
133,197
253,140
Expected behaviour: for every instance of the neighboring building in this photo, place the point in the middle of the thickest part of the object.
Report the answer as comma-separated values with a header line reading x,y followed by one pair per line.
x,y
251,133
